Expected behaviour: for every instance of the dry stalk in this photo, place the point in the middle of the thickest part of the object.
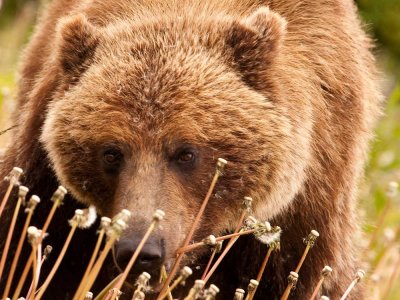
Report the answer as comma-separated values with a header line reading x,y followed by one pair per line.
x,y
232,241
104,225
327,270
194,246
184,274
75,222
251,289
163,276
34,200
57,199
195,290
13,178
262,268
33,235
103,294
114,293
21,199
36,272
218,172
157,217
292,281
113,233
359,275
217,249
309,241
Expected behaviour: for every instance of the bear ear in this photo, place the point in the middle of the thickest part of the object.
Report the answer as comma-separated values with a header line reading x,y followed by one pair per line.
x,y
77,42
255,41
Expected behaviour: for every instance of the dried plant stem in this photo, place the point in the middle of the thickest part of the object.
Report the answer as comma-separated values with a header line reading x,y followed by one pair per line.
x,y
37,268
113,233
230,244
310,241
46,225
185,273
35,275
360,274
156,218
24,275
109,286
5,198
9,236
303,257
292,281
91,262
17,254
218,172
234,237
56,265
325,272
251,290
218,239
13,178
264,264
209,263
250,296
392,279
163,276
97,266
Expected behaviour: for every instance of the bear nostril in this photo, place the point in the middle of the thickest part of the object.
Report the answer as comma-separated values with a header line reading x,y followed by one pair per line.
x,y
151,256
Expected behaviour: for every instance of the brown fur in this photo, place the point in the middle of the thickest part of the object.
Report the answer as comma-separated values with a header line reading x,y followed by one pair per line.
x,y
287,94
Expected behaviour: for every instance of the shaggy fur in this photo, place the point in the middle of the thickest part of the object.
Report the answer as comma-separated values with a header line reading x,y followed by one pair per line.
x,y
284,90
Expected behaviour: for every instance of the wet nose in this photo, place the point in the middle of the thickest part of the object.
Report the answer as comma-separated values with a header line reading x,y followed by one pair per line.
x,y
151,257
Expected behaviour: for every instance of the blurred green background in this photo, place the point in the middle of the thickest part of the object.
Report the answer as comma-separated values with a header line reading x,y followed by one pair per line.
x,y
382,19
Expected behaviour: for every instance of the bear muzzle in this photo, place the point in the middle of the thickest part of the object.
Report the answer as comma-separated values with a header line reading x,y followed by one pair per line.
x,y
150,259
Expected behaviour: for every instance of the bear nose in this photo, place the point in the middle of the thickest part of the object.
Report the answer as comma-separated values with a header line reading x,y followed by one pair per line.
x,y
151,256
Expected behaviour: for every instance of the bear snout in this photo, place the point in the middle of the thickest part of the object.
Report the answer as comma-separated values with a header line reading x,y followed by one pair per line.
x,y
150,259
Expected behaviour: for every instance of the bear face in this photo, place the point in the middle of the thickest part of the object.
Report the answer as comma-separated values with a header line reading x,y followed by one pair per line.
x,y
136,121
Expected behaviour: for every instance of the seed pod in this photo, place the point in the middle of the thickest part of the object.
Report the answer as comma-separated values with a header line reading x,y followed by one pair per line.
x,y
210,240
239,294
311,238
212,292
248,201
185,273
89,296
326,271
123,215
22,192
14,176
221,163
59,194
158,215
32,203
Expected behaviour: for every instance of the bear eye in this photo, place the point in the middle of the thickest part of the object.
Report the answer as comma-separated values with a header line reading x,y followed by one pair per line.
x,y
112,157
186,157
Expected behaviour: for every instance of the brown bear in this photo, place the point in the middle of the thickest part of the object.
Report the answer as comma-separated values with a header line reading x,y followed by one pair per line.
x,y
128,104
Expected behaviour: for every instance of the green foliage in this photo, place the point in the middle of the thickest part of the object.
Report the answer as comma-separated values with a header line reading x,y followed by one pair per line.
x,y
383,16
